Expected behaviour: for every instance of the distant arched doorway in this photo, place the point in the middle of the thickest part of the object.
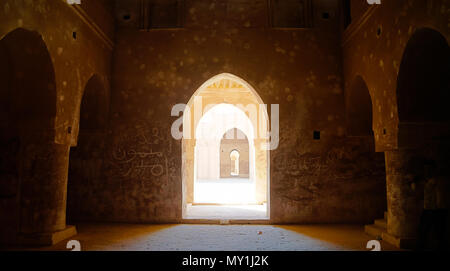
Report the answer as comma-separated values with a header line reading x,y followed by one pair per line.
x,y
210,184
224,98
234,155
234,165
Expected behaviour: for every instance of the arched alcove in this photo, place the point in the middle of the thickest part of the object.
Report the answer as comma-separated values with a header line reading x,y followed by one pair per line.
x,y
423,85
27,116
31,87
359,109
86,156
359,120
94,105
423,92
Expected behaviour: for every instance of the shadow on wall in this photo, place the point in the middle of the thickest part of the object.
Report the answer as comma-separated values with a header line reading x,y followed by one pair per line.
x,y
423,92
86,158
424,78
27,152
359,109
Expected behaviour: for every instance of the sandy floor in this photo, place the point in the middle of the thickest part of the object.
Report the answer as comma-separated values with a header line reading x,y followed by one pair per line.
x,y
139,237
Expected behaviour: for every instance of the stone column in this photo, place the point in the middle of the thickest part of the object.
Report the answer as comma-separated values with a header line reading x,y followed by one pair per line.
x,y
260,171
188,150
43,192
404,199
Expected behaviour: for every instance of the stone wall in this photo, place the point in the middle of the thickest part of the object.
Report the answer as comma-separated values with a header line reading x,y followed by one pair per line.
x,y
375,48
130,170
334,179
62,42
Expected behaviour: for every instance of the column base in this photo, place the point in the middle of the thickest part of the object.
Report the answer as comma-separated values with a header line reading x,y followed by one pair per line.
x,y
402,243
46,238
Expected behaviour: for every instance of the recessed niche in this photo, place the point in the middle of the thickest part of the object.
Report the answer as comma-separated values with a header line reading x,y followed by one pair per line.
x,y
291,14
316,135
162,14
379,31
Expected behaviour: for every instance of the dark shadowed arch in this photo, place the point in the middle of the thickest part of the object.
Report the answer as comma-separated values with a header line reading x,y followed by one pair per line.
x,y
94,105
31,87
85,162
27,109
423,87
359,109
423,93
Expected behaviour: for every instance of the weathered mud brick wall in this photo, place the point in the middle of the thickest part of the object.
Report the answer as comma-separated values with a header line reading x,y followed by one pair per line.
x,y
300,69
48,52
375,51
400,49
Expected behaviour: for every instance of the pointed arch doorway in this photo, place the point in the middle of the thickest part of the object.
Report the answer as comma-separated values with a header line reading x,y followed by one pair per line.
x,y
223,104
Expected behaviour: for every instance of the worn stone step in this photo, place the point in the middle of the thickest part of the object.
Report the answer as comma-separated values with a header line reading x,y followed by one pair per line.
x,y
403,243
47,238
374,230
382,223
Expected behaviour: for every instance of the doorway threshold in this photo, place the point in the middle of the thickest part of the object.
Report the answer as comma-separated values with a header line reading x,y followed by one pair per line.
x,y
226,214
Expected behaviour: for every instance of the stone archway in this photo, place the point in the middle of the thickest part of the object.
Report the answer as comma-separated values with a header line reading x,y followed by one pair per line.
x,y
424,79
234,163
359,109
423,91
85,162
359,120
231,90
36,182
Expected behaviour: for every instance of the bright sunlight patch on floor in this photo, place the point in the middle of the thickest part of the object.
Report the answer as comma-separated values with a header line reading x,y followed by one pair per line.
x,y
225,191
244,212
